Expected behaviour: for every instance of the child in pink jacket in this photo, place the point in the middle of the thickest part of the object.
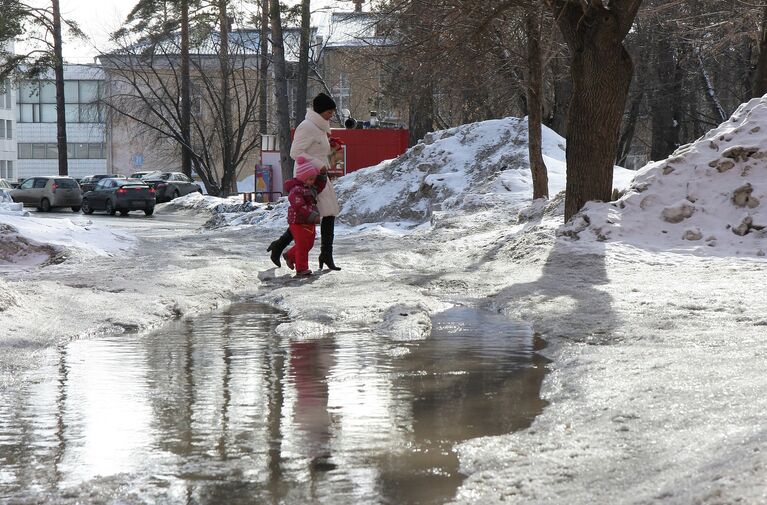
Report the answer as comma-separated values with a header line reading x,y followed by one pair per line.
x,y
303,215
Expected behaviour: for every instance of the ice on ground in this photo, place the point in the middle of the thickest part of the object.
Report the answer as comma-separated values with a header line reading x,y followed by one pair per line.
x,y
655,388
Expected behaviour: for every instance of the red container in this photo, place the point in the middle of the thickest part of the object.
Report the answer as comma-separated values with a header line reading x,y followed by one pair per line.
x,y
370,146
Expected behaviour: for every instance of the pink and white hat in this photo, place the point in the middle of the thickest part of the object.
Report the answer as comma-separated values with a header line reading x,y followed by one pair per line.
x,y
305,169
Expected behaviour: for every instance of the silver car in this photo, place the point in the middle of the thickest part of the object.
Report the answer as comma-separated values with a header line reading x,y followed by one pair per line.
x,y
49,192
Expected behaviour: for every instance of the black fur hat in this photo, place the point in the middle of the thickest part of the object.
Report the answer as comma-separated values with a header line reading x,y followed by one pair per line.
x,y
322,103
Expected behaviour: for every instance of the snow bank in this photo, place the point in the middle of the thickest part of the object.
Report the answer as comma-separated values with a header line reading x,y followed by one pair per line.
x,y
231,211
470,168
9,208
8,295
708,198
19,250
26,240
199,202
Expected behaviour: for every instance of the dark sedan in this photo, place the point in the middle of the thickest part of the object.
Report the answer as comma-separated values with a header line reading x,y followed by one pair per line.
x,y
170,185
123,195
89,183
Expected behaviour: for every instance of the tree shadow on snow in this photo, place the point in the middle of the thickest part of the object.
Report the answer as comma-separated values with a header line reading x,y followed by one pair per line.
x,y
566,301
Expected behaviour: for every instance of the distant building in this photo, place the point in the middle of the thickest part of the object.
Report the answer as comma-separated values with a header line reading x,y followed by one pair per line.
x,y
351,63
347,60
8,167
134,141
36,124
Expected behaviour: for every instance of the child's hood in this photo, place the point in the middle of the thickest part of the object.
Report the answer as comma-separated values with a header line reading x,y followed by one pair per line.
x,y
292,183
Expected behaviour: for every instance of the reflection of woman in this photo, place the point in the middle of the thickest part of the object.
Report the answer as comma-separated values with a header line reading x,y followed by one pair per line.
x,y
311,142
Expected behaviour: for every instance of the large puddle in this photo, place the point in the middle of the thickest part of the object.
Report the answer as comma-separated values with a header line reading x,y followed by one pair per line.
x,y
220,410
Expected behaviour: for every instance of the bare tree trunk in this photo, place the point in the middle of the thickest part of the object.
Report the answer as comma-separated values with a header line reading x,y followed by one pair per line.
x,y
228,180
601,73
263,68
535,105
713,99
58,70
665,124
760,77
421,115
562,89
281,89
186,94
303,62
627,136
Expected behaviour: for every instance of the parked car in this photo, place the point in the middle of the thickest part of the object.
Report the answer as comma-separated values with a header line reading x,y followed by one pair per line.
x,y
88,183
123,195
140,175
170,185
5,191
49,192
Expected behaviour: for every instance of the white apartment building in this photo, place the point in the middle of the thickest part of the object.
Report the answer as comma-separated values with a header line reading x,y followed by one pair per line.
x,y
8,167
37,152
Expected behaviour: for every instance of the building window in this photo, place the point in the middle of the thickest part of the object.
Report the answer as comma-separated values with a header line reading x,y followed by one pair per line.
x,y
81,151
37,102
50,151
5,95
96,151
343,92
38,151
6,169
6,129
25,151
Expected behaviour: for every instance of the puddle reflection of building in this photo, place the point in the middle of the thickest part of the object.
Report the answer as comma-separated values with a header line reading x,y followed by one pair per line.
x,y
103,420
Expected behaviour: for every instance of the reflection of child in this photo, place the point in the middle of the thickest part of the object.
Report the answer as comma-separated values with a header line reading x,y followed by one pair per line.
x,y
302,213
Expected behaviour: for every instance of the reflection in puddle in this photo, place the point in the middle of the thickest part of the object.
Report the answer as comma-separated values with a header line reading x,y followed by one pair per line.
x,y
218,409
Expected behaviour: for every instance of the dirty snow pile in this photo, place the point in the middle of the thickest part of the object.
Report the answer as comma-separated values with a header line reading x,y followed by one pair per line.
x,y
26,240
232,211
471,168
212,204
709,197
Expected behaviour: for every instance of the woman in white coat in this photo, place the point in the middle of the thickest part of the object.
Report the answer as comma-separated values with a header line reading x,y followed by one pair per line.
x,y
311,141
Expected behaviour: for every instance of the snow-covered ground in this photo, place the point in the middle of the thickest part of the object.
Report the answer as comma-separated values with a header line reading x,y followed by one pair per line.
x,y
652,306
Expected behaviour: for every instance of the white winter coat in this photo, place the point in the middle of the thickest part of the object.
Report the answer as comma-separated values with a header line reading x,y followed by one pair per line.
x,y
311,142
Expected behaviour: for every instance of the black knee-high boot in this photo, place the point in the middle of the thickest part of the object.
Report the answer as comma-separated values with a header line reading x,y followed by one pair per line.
x,y
327,230
279,245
